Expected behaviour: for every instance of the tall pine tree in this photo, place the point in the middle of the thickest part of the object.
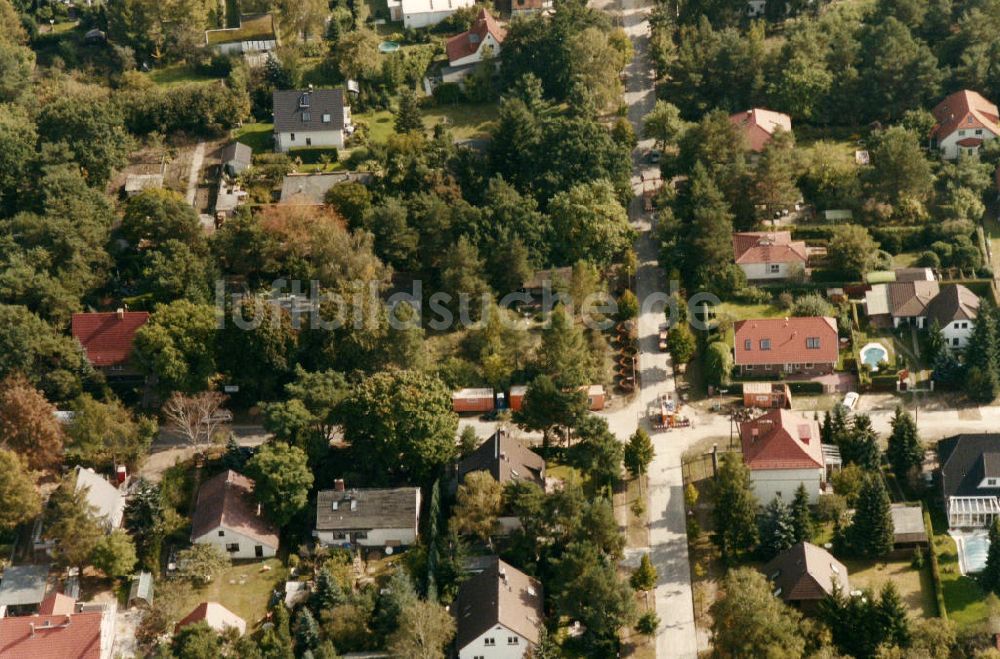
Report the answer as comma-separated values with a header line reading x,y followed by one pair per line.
x,y
982,383
990,577
871,531
801,519
904,451
735,513
861,445
777,529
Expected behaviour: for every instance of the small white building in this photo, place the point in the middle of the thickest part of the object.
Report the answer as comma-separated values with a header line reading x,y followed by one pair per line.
x,y
310,118
783,451
215,616
769,254
226,516
964,121
497,613
955,309
107,501
424,13
367,517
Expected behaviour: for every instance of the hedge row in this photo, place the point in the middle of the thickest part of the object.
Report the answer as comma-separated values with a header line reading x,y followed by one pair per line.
x,y
935,568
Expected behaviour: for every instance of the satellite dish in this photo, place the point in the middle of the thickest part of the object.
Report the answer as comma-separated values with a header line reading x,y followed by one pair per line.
x,y
388,551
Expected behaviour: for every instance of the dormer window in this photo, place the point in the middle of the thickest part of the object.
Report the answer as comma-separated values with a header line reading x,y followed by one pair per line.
x,y
326,118
812,342
306,116
748,344
304,101
765,344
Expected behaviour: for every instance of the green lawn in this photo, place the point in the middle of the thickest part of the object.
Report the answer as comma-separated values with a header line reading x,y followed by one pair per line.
x,y
915,586
178,74
257,136
905,259
258,27
379,124
244,589
964,599
467,121
737,311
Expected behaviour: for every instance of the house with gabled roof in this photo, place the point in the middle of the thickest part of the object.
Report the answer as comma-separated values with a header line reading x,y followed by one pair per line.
x,y
970,478
367,517
107,338
805,574
106,500
484,37
498,613
965,120
788,345
783,450
955,309
507,460
769,254
310,118
227,516
215,616
759,126
59,631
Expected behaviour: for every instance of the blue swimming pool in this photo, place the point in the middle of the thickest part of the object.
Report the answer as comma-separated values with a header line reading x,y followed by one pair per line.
x,y
388,47
972,550
874,354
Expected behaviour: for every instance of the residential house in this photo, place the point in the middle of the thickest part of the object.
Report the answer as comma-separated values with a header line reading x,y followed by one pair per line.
x,y
136,183
804,574
368,517
970,478
467,50
759,125
498,613
790,345
769,254
424,13
60,631
23,589
507,460
215,616
955,309
783,451
107,501
226,516
310,117
964,121
236,158
107,338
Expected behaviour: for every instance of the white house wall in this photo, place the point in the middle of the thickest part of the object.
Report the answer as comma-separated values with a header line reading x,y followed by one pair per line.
x,y
763,270
229,536
489,44
955,331
501,648
376,537
949,144
416,19
767,483
316,138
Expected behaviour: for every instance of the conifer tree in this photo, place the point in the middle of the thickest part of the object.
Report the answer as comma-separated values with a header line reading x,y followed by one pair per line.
x,y
990,577
801,519
893,618
777,529
904,451
644,577
861,447
871,531
735,513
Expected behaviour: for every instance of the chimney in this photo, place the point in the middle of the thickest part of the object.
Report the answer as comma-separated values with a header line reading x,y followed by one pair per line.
x,y
754,434
258,510
338,485
32,626
121,313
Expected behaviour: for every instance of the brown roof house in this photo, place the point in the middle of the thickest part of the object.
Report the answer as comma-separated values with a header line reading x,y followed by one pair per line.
x,y
804,574
759,125
507,460
498,613
782,450
964,121
769,254
954,308
107,338
467,50
917,303
227,516
367,517
790,345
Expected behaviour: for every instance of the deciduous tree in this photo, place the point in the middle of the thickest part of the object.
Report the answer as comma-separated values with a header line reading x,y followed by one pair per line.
x,y
198,418
17,491
751,622
201,563
177,346
477,505
28,424
425,630
282,480
114,554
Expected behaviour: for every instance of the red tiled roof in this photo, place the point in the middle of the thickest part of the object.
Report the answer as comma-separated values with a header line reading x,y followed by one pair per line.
x,y
226,500
965,109
781,439
787,338
768,247
969,141
467,43
759,125
57,604
107,337
76,636
217,616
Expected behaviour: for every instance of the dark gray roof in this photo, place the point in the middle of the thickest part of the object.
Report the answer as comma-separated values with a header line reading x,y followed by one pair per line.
x,y
963,467
506,459
499,595
365,508
23,585
237,152
913,274
141,588
953,302
908,523
304,110
806,572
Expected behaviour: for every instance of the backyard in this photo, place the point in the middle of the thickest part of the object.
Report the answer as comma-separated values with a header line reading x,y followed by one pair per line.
x,y
245,589
963,598
466,121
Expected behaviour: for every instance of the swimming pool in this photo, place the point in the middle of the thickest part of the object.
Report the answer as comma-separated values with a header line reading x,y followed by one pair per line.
x,y
388,47
972,549
874,354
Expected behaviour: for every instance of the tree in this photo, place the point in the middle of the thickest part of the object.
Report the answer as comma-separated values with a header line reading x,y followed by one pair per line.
x,y
898,71
587,589
801,518
852,251
477,506
17,491
114,554
933,340
424,631
708,239
177,346
28,424
547,408
197,641
904,451
893,617
356,54
648,623
628,306
735,512
589,223
307,637
302,19
106,434
777,529
663,124
144,521
644,576
860,446
408,116
811,305
751,622
598,453
990,577
17,146
73,525
775,175
52,362
308,415
871,530
400,425
201,563
564,355
352,200
903,172
397,595
198,418
462,277
718,364
92,126
982,382
255,352
681,343
639,453
282,480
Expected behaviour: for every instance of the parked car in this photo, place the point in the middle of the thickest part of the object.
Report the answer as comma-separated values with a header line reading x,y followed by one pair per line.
x,y
851,400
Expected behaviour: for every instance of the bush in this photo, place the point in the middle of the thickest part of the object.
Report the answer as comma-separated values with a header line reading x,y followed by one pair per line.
x,y
917,562
448,93
830,507
935,570
929,259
